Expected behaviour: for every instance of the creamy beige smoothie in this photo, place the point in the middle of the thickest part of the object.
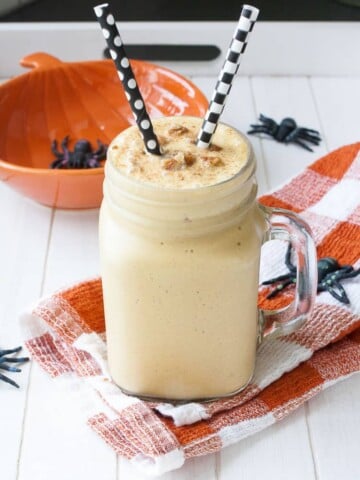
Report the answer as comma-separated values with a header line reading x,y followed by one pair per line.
x,y
183,165
180,239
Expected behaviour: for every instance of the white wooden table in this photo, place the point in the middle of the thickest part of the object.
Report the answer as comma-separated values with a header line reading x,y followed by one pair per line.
x,y
42,436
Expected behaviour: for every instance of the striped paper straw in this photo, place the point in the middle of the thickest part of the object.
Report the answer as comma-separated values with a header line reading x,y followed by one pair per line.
x,y
237,47
126,75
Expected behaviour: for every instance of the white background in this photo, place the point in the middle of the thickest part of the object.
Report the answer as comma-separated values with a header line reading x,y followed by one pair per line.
x,y
42,434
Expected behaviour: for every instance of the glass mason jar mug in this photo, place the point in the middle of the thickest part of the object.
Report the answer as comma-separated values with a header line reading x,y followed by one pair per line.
x,y
180,275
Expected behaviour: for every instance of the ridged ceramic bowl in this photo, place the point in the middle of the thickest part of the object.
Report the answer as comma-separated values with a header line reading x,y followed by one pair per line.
x,y
82,100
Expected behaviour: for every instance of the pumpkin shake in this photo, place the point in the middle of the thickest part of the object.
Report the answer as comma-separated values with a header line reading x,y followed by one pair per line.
x,y
180,238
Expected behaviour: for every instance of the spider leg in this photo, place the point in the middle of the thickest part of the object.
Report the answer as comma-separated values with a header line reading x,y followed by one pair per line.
x,y
340,294
78,160
297,135
290,266
301,144
268,121
3,364
64,143
308,137
64,146
279,288
59,163
347,271
311,130
101,151
6,379
54,149
268,126
308,131
93,162
256,126
350,274
86,160
9,351
14,359
288,262
8,368
259,129
286,276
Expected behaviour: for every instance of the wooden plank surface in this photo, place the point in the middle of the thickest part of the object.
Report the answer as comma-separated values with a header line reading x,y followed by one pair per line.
x,y
337,101
334,416
24,229
54,412
41,250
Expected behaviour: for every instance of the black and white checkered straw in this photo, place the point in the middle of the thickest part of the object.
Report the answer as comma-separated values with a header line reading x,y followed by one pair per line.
x,y
237,47
126,75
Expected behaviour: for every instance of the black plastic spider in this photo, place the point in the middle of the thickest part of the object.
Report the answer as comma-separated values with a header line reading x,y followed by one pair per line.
x,y
330,273
286,132
82,157
5,359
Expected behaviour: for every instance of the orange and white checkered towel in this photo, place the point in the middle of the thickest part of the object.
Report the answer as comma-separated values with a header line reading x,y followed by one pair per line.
x,y
65,335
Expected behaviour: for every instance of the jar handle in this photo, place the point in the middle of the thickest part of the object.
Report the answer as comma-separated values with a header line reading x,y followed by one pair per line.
x,y
286,225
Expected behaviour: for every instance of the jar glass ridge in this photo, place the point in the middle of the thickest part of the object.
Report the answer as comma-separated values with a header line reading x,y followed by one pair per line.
x,y
201,209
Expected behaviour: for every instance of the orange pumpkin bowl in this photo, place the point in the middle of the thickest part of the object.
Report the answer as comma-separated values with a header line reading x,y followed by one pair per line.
x,y
82,100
